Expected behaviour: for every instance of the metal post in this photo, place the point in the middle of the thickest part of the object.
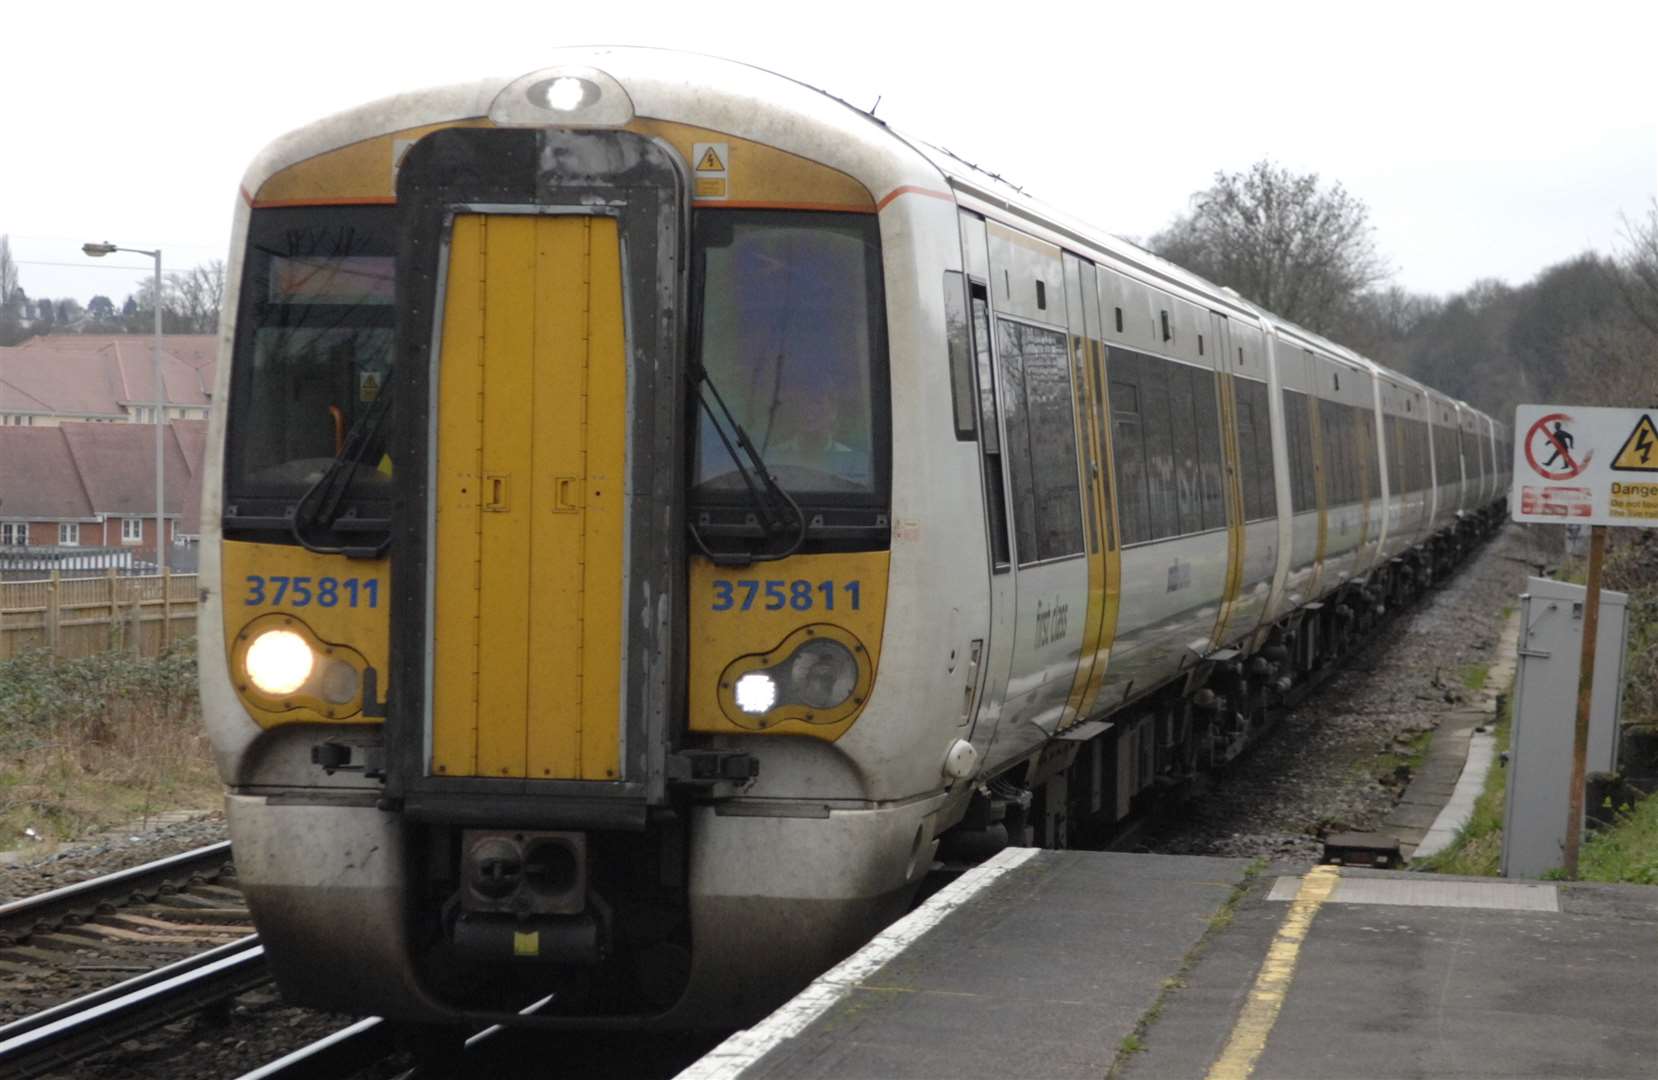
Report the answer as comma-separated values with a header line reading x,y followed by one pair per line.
x,y
1585,690
54,614
160,428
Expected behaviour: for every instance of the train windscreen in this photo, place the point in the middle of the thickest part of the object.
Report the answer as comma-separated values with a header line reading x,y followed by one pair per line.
x,y
790,322
314,342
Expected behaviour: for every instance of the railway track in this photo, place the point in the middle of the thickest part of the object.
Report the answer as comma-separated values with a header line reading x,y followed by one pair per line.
x,y
178,923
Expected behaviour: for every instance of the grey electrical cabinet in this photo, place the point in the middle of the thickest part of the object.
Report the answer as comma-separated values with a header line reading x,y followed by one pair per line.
x,y
1545,714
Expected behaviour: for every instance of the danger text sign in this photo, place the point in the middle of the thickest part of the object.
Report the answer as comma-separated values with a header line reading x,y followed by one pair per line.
x,y
1585,466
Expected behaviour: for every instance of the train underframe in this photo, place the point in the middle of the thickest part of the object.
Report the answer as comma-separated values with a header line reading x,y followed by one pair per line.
x,y
1090,793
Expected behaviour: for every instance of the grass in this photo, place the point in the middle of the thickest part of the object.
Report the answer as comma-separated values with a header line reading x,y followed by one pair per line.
x,y
97,742
1396,764
1478,847
1474,676
1626,852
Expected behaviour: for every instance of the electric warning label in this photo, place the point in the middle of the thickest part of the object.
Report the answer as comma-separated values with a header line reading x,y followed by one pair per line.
x,y
1590,466
1634,501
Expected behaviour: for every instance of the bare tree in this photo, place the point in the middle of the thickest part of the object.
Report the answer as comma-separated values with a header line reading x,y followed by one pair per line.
x,y
8,270
198,296
1639,260
1299,249
1609,362
14,302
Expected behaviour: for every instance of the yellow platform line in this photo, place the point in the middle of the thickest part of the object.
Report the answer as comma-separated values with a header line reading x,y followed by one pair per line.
x,y
1272,982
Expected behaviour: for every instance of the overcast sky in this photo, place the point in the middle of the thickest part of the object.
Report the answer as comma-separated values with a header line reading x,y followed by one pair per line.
x,y
1488,140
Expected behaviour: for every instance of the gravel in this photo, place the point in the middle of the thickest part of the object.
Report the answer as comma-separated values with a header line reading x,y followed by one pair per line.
x,y
29,874
1325,768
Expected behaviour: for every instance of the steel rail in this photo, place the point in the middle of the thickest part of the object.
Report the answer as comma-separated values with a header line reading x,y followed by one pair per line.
x,y
339,1054
86,1026
19,918
26,1024
349,1050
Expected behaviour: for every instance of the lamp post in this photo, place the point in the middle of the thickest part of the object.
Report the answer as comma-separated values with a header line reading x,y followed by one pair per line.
x,y
98,251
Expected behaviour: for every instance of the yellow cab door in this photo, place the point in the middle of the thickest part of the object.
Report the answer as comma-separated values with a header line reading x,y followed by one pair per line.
x,y
527,634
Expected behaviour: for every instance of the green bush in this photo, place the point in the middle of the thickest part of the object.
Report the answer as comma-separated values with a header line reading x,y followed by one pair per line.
x,y
99,740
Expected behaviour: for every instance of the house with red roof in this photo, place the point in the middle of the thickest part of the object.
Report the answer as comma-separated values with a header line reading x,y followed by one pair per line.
x,y
91,486
105,378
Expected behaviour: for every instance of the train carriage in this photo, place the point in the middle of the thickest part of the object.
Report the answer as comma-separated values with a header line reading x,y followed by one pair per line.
x,y
653,509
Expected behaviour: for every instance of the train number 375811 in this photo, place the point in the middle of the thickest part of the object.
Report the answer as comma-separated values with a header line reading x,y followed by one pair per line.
x,y
303,591
775,595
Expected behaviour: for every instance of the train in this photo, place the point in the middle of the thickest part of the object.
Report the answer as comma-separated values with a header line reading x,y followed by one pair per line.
x,y
654,511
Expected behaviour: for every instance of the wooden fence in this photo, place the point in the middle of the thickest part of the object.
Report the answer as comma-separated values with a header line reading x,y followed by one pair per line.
x,y
80,616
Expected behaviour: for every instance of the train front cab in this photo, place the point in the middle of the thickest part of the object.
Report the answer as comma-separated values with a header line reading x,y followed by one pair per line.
x,y
513,785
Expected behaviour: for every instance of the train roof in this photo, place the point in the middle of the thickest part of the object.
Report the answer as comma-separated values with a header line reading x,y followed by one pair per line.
x,y
754,103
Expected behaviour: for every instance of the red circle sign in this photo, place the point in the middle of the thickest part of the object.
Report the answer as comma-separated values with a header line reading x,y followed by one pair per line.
x,y
1559,450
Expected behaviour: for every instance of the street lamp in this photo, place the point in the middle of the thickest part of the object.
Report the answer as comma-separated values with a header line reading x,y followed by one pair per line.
x,y
98,251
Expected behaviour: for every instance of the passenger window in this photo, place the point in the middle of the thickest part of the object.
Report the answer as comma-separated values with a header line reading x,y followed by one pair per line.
x,y
1372,462
1246,451
990,444
1170,470
1261,403
1042,448
1299,445
1154,411
1207,408
961,359
1255,450
1188,482
1016,415
1129,449
1338,452
1079,381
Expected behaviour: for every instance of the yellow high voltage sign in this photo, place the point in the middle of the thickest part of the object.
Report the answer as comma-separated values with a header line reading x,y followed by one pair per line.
x,y
1640,450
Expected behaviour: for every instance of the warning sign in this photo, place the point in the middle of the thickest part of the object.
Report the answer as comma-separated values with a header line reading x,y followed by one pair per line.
x,y
1549,448
1585,465
712,175
368,385
1556,502
710,161
1637,504
1640,450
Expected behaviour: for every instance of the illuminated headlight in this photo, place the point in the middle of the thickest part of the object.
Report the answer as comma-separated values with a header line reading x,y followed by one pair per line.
x,y
279,662
756,692
565,94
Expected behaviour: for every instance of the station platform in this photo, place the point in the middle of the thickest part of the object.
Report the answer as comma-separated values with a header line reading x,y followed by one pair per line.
x,y
1086,964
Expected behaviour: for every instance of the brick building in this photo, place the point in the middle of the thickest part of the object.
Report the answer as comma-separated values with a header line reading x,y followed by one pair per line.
x,y
88,485
100,378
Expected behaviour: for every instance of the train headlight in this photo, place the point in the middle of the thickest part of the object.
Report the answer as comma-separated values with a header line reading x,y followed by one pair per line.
x,y
756,692
568,93
571,94
339,683
281,665
819,674
279,661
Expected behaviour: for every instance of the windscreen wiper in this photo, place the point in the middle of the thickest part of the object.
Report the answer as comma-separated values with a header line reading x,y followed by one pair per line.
x,y
773,506
325,496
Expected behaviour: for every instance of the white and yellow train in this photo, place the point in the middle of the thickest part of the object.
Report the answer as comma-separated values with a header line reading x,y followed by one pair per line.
x,y
652,504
